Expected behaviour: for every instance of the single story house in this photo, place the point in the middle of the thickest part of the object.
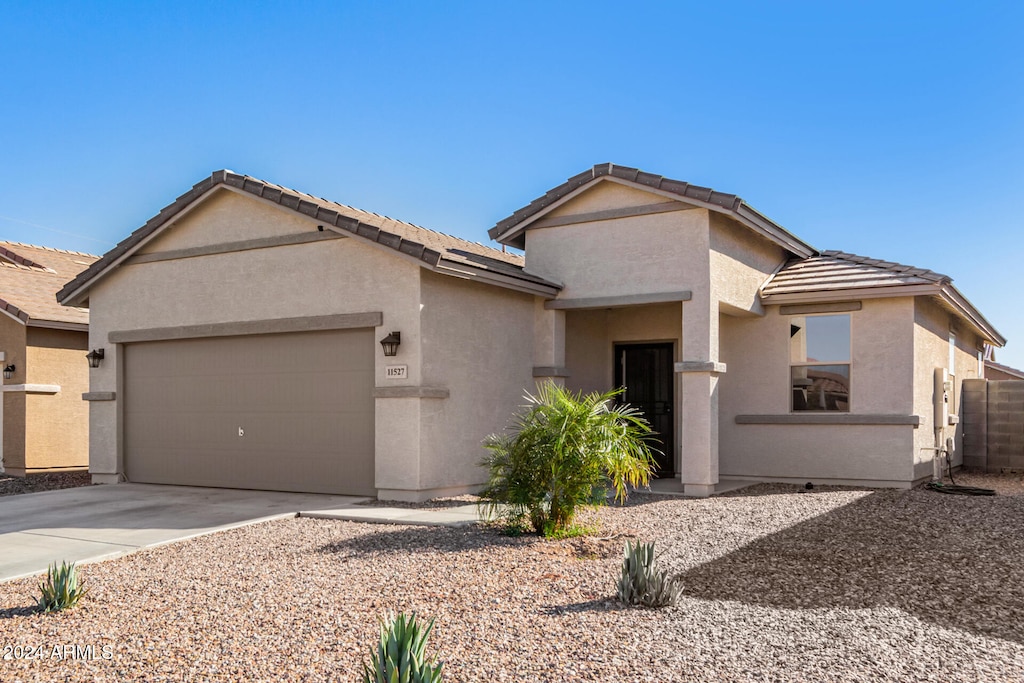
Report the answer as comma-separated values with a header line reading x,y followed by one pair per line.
x,y
242,331
42,353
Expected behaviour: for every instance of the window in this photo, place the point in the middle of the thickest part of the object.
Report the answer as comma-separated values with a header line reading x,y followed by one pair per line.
x,y
952,354
819,359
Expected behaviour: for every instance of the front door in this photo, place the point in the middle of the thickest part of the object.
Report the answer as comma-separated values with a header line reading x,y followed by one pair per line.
x,y
648,375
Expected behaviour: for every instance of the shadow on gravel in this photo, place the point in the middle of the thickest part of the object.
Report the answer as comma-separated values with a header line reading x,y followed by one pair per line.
x,y
424,539
599,605
957,562
14,612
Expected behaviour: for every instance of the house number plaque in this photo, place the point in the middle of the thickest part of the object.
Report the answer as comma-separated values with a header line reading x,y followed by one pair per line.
x,y
396,371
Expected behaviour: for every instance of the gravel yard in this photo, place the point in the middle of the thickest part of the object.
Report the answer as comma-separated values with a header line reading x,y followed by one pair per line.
x,y
779,585
34,483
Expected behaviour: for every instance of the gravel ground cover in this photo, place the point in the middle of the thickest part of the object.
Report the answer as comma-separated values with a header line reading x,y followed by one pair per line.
x,y
779,585
34,483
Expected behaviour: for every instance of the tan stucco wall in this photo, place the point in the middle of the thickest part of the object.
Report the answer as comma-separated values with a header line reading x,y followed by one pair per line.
x,y
664,252
591,336
741,261
12,343
605,195
756,352
57,425
931,350
329,277
235,218
477,343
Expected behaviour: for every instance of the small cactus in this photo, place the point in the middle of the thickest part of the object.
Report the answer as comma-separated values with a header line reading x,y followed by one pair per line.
x,y
400,655
61,589
642,582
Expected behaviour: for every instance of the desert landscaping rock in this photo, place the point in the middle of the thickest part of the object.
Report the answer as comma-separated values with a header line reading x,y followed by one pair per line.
x,y
34,483
779,585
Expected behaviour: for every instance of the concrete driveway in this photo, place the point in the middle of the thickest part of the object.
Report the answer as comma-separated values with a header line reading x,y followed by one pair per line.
x,y
96,522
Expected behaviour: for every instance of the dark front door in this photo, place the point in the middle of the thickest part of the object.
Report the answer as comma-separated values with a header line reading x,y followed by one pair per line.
x,y
647,373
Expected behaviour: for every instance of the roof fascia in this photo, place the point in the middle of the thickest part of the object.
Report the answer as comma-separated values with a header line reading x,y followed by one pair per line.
x,y
13,316
519,228
850,294
58,325
467,272
956,301
456,269
76,298
971,314
745,214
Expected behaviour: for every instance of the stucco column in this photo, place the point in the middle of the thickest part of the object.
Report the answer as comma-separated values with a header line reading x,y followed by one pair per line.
x,y
698,384
548,343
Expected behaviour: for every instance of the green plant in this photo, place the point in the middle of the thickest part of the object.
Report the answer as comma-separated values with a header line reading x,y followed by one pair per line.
x,y
400,656
642,581
562,452
61,589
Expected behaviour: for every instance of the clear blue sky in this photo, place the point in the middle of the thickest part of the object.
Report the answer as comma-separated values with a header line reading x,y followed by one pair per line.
x,y
888,129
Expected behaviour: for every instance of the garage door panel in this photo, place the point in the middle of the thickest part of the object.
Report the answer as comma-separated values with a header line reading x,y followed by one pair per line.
x,y
303,401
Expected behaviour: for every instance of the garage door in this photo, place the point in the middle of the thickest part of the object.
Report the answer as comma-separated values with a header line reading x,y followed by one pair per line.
x,y
282,412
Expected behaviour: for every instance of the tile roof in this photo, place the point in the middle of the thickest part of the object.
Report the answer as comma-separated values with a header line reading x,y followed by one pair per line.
x,y
421,243
836,270
505,232
30,276
819,278
1006,369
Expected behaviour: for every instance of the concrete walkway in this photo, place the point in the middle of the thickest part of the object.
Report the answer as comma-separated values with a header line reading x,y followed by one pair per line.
x,y
92,523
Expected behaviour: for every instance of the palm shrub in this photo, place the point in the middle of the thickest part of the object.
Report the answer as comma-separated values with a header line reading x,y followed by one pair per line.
x,y
642,581
400,656
560,453
61,588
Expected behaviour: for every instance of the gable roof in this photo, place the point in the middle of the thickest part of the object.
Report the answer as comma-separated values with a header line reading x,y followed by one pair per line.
x,y
435,250
511,230
29,278
838,276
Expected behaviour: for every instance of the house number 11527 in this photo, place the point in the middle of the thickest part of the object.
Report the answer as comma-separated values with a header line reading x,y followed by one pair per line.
x,y
396,371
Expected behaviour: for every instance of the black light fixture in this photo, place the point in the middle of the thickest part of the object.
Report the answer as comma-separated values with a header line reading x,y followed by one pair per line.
x,y
9,371
390,343
95,356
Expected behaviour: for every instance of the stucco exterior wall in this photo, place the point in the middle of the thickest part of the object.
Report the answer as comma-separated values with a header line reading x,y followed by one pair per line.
x,y
756,352
591,336
333,276
12,342
663,252
478,344
57,425
236,220
740,263
932,325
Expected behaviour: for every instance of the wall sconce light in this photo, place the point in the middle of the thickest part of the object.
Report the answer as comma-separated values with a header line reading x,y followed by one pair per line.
x,y
9,371
390,343
95,356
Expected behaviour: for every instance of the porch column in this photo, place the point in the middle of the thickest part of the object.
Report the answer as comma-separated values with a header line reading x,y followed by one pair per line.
x,y
698,372
548,343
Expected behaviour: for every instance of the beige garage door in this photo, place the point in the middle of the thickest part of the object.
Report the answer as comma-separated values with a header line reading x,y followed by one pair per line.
x,y
282,412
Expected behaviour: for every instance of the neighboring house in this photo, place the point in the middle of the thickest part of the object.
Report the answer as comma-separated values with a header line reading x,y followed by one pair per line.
x,y
996,371
42,348
241,327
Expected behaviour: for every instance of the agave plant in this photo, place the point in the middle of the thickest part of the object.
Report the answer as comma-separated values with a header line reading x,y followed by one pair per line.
x,y
400,656
61,589
642,581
